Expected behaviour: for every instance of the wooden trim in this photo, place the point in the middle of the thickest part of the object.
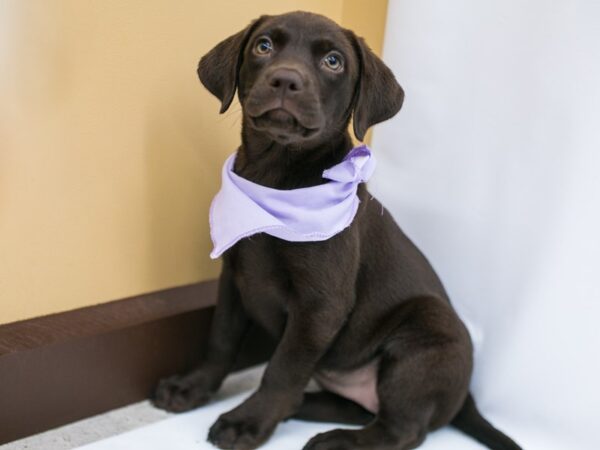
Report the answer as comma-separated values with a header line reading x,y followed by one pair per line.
x,y
64,367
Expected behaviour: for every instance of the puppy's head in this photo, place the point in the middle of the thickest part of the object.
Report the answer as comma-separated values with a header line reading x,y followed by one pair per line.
x,y
300,77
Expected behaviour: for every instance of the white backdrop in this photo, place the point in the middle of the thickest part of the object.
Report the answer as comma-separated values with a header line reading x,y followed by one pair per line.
x,y
492,167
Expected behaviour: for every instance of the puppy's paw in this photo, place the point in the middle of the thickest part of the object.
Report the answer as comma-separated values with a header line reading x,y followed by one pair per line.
x,y
239,433
180,393
332,440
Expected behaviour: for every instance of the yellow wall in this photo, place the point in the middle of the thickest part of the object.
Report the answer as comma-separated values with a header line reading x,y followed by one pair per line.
x,y
110,149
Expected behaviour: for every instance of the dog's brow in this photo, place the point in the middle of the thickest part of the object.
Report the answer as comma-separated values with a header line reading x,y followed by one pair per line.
x,y
323,45
277,34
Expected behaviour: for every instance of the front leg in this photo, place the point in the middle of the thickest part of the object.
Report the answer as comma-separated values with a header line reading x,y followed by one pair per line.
x,y
311,326
180,393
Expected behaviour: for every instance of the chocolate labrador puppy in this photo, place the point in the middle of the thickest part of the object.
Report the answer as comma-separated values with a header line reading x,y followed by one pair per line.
x,y
362,312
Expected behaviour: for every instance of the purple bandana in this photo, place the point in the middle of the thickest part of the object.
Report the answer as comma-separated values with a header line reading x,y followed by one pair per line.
x,y
243,208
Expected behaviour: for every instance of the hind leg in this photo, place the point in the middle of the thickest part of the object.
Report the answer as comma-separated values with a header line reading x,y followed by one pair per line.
x,y
395,427
422,382
325,406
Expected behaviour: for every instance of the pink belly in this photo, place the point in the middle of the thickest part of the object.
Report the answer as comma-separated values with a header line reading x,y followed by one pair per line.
x,y
359,385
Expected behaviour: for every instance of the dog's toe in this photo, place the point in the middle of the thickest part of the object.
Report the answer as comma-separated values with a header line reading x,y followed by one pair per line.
x,y
239,434
233,435
331,440
178,394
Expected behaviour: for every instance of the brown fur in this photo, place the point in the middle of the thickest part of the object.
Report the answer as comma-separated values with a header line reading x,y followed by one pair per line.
x,y
365,294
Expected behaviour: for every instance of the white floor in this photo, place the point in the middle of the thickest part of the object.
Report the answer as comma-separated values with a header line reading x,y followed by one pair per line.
x,y
142,426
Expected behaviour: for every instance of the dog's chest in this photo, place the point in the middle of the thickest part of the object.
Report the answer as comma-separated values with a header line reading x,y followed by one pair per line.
x,y
260,274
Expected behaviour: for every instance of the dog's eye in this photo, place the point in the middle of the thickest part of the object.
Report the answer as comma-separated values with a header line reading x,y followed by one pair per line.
x,y
264,46
333,61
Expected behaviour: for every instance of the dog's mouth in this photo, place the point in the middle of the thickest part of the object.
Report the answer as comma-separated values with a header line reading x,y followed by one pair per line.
x,y
282,124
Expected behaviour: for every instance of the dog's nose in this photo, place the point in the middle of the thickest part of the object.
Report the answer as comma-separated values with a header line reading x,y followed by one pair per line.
x,y
286,81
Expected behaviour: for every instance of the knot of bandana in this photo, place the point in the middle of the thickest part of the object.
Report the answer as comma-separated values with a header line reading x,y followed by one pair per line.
x,y
243,208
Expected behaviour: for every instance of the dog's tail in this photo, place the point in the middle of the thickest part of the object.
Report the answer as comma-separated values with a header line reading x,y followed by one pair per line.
x,y
470,421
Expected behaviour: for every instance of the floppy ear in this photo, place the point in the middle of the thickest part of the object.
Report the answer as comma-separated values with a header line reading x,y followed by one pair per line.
x,y
378,95
218,69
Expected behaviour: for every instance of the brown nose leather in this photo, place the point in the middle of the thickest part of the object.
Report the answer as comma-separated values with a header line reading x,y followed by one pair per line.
x,y
286,81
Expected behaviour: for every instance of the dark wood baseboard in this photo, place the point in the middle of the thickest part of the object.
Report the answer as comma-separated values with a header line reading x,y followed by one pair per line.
x,y
64,367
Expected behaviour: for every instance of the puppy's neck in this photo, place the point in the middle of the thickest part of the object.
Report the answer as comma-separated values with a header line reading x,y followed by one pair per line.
x,y
269,163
